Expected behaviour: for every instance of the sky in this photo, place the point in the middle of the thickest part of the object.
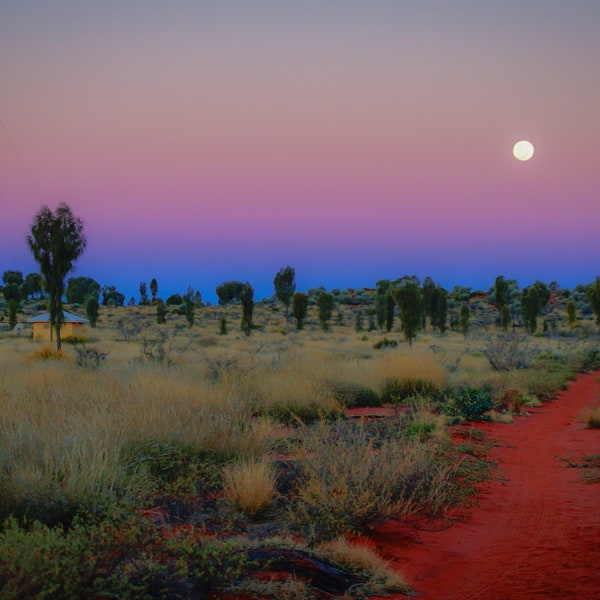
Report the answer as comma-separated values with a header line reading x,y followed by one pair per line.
x,y
202,142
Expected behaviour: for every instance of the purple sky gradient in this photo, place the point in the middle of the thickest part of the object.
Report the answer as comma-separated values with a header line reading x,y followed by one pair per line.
x,y
202,142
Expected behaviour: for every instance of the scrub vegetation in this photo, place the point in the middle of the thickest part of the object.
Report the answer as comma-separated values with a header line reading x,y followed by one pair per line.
x,y
156,460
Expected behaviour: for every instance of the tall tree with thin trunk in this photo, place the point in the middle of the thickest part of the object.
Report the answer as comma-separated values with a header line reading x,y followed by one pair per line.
x,y
285,286
56,242
299,308
408,296
154,289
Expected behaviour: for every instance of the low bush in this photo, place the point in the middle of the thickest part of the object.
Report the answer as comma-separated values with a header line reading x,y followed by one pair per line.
x,y
396,390
351,396
353,475
385,343
47,352
470,403
74,339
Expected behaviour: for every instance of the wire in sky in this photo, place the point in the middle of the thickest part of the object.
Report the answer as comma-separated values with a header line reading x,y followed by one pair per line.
x,y
14,146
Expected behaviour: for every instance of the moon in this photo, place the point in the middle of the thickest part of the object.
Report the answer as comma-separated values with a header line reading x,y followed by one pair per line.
x,y
523,150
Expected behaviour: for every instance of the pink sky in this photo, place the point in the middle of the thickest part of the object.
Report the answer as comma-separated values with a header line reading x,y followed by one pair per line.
x,y
351,140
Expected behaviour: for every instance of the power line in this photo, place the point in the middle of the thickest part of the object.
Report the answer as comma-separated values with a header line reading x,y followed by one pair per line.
x,y
14,146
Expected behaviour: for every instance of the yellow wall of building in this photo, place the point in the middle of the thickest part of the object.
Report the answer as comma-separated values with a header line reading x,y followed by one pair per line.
x,y
41,331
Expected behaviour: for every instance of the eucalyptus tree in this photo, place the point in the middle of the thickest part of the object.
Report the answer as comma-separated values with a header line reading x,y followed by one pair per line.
x,y
533,300
247,299
285,286
408,296
299,308
56,242
325,305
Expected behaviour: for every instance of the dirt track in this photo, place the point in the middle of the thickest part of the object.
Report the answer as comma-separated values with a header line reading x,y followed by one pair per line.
x,y
536,531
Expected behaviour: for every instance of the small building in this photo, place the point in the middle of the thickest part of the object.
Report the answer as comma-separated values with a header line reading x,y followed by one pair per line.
x,y
72,326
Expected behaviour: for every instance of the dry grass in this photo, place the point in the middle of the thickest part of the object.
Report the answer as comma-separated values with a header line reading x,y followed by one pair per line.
x,y
362,560
249,485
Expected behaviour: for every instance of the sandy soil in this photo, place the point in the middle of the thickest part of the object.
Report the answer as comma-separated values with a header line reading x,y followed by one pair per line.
x,y
536,531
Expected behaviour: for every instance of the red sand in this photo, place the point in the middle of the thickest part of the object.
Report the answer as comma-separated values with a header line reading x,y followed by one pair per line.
x,y
536,531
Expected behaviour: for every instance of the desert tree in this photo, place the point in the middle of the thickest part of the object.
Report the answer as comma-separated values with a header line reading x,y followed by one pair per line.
x,y
190,300
464,319
143,293
161,311
112,297
246,297
533,300
325,305
285,286
56,242
384,304
13,288
500,292
571,314
359,323
154,289
505,317
299,308
33,285
79,289
408,297
428,289
593,296
228,291
92,307
439,308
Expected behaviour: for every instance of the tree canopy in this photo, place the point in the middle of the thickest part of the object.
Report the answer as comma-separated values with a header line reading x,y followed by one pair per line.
x,y
56,242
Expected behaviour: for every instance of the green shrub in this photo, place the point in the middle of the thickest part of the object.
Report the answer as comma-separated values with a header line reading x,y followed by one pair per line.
x,y
351,396
470,403
209,563
354,475
43,562
385,343
396,390
586,361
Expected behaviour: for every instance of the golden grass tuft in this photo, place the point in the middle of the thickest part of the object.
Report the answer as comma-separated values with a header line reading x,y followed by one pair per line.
x,y
47,352
249,485
362,560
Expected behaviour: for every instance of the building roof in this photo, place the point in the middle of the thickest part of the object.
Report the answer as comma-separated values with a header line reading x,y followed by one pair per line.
x,y
68,318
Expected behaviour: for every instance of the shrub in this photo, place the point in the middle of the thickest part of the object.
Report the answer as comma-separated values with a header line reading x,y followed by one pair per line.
x,y
351,396
505,353
352,476
74,339
43,562
48,352
385,343
89,358
470,403
396,390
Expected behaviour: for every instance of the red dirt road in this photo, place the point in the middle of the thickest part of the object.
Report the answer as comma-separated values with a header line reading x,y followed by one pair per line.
x,y
536,531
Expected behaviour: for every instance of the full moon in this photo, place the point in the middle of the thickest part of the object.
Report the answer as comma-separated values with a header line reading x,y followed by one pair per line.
x,y
523,150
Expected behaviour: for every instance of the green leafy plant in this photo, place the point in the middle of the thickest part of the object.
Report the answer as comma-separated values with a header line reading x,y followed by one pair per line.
x,y
398,389
470,403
